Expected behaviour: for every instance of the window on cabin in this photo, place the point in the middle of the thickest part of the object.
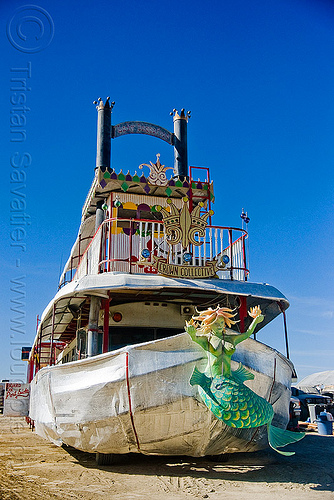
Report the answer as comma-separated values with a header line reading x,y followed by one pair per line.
x,y
143,212
125,213
120,336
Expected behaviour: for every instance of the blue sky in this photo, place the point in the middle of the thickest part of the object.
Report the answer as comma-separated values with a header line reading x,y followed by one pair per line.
x,y
258,77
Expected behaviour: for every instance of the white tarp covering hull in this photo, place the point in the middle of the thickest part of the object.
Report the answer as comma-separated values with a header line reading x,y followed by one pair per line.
x,y
139,399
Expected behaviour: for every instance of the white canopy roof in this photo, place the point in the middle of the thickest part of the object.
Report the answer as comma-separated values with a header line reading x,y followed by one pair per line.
x,y
325,378
72,295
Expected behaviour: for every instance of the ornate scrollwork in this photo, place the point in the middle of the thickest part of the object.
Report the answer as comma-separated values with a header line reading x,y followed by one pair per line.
x,y
157,175
182,226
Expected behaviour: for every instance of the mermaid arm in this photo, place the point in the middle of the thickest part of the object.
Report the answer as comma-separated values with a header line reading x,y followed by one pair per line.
x,y
200,340
236,339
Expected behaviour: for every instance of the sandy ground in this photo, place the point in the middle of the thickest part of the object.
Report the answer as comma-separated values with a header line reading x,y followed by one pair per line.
x,y
32,468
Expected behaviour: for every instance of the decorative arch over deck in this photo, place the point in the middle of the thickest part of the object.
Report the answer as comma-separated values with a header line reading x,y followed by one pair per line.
x,y
106,131
135,127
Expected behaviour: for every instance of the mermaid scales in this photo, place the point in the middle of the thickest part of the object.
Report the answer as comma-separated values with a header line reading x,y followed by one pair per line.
x,y
231,401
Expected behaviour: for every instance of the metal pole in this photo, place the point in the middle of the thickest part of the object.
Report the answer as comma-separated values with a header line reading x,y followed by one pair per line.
x,y
286,336
285,330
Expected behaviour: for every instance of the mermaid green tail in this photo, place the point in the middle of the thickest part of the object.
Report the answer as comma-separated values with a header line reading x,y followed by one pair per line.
x,y
231,401
279,437
239,407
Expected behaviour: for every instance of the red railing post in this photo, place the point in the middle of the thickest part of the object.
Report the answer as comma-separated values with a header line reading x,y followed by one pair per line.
x,y
109,246
106,246
52,334
101,250
242,312
130,246
39,349
244,256
207,181
31,368
230,241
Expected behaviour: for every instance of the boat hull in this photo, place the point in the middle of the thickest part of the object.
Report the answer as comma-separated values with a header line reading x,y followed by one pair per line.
x,y
139,399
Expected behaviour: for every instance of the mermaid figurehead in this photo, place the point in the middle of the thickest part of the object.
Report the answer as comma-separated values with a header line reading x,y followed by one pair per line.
x,y
221,389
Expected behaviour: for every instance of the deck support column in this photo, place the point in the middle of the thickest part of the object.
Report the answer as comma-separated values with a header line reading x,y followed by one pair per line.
x,y
99,215
92,336
105,345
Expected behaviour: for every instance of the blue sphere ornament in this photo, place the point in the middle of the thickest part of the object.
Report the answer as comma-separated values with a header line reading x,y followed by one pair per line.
x,y
187,257
145,253
225,259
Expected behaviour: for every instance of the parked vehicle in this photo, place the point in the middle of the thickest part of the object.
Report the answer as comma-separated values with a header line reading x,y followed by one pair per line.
x,y
294,414
306,398
329,394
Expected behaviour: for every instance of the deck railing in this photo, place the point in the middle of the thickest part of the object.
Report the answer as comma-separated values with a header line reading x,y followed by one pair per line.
x,y
118,245
72,265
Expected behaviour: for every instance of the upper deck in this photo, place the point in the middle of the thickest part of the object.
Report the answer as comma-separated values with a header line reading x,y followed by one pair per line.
x,y
140,246
150,224
155,229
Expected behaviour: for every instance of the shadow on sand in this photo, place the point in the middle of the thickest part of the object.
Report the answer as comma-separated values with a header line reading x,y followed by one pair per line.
x,y
311,465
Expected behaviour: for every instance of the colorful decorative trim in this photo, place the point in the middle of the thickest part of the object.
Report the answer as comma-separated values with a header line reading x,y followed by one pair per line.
x,y
128,181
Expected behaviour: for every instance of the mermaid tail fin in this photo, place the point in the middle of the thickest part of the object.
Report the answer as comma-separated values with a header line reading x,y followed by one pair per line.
x,y
241,374
279,438
198,378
